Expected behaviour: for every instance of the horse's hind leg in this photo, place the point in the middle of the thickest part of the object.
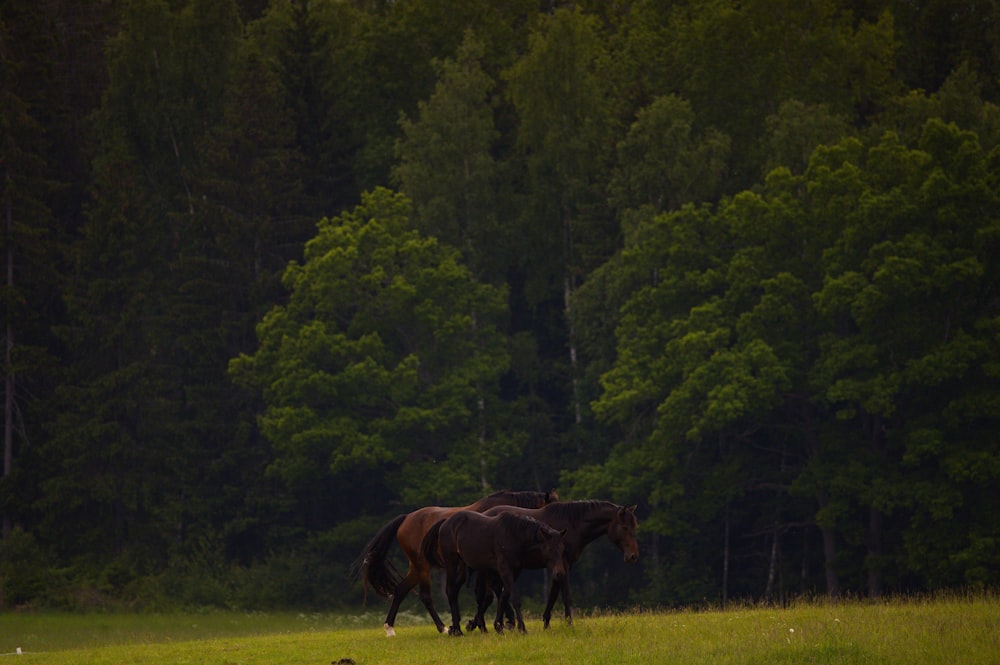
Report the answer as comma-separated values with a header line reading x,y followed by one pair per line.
x,y
428,600
398,595
498,623
456,574
411,580
484,596
508,612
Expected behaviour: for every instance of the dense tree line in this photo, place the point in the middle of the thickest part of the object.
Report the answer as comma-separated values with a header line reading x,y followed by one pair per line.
x,y
278,271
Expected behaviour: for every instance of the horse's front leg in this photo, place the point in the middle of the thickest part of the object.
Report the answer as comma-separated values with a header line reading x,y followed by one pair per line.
x,y
554,591
503,605
512,596
550,602
567,604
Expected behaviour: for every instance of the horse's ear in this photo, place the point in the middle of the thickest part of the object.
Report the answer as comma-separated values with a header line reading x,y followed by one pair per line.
x,y
563,532
551,496
632,508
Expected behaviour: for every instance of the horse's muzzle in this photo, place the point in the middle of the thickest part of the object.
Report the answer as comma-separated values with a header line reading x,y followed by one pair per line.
x,y
631,557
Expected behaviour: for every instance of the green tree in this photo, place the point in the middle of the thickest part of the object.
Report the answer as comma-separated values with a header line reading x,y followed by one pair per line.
x,y
764,53
27,238
960,99
446,167
103,445
936,37
309,60
802,341
390,67
372,371
120,446
565,130
909,360
249,222
662,165
796,130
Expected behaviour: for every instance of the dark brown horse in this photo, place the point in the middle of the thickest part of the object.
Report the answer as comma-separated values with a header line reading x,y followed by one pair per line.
x,y
499,546
583,523
409,530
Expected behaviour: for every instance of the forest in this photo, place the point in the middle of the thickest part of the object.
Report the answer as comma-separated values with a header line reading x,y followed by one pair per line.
x,y
276,271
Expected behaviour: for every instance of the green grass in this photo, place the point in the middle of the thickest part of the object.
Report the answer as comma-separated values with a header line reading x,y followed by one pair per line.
x,y
943,630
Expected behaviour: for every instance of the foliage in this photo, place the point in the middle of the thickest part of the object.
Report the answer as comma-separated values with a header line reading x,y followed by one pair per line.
x,y
734,261
446,166
851,295
378,359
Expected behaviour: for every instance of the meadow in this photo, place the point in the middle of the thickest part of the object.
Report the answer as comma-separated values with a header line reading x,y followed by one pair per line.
x,y
945,630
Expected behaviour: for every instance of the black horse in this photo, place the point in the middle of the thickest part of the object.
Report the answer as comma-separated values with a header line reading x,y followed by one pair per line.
x,y
498,545
582,522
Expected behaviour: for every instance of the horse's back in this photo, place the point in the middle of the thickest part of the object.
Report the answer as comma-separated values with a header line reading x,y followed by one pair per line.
x,y
419,522
416,525
496,511
467,520
526,499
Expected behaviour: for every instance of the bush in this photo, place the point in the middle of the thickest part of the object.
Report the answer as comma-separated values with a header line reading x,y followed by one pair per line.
x,y
23,570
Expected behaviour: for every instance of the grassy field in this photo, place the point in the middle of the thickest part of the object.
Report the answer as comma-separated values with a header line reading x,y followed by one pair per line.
x,y
943,630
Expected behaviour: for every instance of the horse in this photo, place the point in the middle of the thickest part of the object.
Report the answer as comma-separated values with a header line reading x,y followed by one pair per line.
x,y
498,545
583,523
408,530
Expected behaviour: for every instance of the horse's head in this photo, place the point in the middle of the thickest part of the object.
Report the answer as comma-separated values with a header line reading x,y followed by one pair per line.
x,y
553,550
621,532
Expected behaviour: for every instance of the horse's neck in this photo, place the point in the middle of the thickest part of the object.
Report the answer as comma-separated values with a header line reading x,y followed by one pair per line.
x,y
596,525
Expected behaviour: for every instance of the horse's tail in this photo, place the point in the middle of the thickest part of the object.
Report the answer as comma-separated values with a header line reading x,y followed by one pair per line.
x,y
374,567
429,545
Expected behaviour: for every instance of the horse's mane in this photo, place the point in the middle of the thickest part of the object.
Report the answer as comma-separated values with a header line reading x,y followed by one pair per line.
x,y
521,527
521,499
574,511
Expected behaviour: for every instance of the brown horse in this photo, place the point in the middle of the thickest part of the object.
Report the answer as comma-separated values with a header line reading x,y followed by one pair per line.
x,y
583,522
409,530
499,546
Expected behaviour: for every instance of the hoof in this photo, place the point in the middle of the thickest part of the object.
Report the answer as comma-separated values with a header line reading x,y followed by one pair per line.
x,y
389,630
455,631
